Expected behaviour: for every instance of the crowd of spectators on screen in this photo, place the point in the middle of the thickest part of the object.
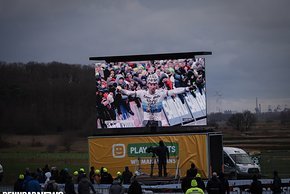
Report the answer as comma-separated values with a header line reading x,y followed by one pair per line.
x,y
112,105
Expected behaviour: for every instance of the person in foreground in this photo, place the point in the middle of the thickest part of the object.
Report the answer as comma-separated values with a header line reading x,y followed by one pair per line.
x,y
194,188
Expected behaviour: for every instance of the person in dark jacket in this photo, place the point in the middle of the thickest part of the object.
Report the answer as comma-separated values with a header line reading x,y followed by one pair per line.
x,y
163,154
116,188
40,175
69,187
127,175
106,177
193,170
51,186
225,188
186,181
18,186
92,174
85,185
276,186
119,177
213,185
135,187
256,186
31,184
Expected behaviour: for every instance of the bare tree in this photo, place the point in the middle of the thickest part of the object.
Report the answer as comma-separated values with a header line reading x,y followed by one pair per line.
x,y
242,121
236,121
249,119
285,116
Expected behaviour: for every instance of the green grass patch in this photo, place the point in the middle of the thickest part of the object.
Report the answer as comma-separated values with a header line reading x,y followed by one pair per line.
x,y
278,160
15,163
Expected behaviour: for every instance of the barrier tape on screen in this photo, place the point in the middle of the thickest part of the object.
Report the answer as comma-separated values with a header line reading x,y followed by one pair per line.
x,y
175,111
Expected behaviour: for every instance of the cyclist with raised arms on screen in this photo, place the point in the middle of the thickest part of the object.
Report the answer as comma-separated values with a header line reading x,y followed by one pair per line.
x,y
152,99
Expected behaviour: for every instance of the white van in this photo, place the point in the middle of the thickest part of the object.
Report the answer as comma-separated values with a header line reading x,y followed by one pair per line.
x,y
238,164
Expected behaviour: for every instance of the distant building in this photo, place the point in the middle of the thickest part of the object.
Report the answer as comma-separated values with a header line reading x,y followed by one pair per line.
x,y
228,112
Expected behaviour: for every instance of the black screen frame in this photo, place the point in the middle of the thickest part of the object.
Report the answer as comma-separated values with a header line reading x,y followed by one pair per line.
x,y
152,130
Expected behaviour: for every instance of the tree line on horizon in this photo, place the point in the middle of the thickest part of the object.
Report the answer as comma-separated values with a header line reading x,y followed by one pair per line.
x,y
41,98
244,121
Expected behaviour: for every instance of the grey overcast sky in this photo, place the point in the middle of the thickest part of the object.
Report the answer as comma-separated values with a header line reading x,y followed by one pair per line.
x,y
250,40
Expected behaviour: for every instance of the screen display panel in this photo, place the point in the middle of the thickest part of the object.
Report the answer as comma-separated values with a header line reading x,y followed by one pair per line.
x,y
150,93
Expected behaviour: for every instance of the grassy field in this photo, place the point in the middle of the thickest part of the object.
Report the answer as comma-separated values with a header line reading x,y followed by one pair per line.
x,y
15,163
36,151
275,160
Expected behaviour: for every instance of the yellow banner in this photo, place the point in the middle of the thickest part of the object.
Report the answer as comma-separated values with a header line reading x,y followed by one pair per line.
x,y
115,153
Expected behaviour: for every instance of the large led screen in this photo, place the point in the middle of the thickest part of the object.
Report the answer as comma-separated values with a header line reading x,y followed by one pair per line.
x,y
150,93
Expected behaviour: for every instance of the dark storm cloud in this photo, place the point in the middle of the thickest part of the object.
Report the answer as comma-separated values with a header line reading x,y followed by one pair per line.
x,y
249,40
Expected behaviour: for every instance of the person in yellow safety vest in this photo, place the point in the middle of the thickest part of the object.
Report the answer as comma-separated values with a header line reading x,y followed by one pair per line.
x,y
194,189
200,183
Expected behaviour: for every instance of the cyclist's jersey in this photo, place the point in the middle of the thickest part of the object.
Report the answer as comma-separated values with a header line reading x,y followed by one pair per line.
x,y
152,103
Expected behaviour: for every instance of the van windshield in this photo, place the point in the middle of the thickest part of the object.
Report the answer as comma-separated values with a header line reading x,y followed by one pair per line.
x,y
241,158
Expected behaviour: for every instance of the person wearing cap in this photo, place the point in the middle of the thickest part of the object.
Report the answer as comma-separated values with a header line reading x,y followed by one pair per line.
x,y
106,177
97,176
81,173
76,173
152,99
194,189
18,185
75,177
82,170
119,177
122,100
200,183
63,175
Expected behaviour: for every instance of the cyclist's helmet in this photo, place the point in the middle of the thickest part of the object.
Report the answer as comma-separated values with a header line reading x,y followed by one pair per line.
x,y
152,79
